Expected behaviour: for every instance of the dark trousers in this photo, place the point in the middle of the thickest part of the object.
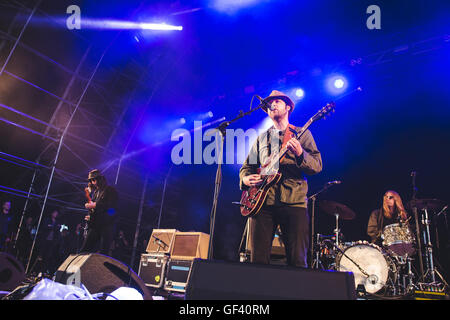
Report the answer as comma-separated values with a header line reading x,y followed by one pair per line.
x,y
294,225
98,239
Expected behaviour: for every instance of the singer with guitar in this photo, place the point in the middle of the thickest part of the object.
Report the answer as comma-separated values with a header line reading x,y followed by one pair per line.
x,y
102,206
284,202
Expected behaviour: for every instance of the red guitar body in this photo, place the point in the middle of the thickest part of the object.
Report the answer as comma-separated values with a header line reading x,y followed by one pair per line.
x,y
253,198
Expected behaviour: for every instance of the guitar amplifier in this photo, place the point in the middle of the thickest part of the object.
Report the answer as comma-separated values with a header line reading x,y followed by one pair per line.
x,y
190,245
161,241
152,269
178,272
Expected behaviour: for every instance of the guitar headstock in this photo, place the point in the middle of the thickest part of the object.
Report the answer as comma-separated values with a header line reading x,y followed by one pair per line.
x,y
325,111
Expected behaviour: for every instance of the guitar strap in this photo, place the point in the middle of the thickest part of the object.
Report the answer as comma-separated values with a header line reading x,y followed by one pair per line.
x,y
287,136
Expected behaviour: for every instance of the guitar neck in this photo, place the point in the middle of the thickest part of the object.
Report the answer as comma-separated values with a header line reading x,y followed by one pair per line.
x,y
87,195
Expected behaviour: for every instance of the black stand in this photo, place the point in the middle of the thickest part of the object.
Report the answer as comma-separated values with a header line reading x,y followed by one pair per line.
x,y
416,217
218,182
313,199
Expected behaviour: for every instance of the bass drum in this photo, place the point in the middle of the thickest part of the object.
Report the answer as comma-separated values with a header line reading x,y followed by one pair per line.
x,y
363,258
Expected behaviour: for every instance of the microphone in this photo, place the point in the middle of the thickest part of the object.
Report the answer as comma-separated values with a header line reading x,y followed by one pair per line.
x,y
263,103
334,182
160,241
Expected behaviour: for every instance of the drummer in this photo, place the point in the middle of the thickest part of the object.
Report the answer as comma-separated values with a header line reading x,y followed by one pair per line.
x,y
391,212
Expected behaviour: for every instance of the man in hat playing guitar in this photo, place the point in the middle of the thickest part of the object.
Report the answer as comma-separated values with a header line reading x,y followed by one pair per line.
x,y
286,201
102,214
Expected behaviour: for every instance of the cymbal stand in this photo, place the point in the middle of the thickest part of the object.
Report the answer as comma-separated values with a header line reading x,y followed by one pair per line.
x,y
337,231
431,270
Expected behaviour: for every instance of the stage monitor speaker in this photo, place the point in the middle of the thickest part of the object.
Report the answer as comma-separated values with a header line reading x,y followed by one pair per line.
x,y
12,272
99,273
218,280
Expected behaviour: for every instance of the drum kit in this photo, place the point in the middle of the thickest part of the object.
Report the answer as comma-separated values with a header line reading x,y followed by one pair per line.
x,y
389,269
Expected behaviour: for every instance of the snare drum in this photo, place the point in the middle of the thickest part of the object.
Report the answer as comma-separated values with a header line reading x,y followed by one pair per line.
x,y
398,239
380,268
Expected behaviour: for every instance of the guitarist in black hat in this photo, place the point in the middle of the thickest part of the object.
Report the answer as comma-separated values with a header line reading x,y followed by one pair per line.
x,y
286,201
102,214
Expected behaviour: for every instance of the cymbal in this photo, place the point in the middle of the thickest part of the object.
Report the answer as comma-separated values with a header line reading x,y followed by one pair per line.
x,y
429,204
332,208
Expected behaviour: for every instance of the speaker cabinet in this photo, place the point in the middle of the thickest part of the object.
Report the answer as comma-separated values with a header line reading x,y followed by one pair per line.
x,y
99,273
161,241
218,280
12,272
190,245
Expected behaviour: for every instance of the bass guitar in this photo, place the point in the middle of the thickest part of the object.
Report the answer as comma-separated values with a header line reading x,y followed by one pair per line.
x,y
253,198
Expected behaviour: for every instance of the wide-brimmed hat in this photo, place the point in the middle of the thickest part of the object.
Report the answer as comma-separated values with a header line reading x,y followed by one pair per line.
x,y
275,94
94,174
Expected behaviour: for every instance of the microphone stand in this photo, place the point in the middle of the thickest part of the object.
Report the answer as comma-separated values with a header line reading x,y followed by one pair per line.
x,y
313,199
218,182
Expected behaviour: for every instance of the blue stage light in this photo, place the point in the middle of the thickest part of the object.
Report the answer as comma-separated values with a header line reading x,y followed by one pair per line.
x,y
339,83
299,93
336,84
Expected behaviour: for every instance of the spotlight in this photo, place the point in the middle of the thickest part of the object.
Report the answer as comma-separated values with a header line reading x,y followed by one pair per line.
x,y
210,114
336,84
159,26
182,120
299,93
126,25
339,83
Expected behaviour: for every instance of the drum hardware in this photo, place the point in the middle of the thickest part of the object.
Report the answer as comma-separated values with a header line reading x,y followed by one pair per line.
x,y
318,249
339,211
313,199
405,278
431,270
325,254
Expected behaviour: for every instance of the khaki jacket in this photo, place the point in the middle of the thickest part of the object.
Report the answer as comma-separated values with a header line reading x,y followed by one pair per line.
x,y
293,186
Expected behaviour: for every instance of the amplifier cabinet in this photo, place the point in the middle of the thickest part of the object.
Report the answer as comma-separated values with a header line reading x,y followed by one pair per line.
x,y
178,272
152,269
161,241
190,245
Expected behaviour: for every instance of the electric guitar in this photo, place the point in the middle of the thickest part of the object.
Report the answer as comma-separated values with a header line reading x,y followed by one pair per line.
x,y
87,193
253,198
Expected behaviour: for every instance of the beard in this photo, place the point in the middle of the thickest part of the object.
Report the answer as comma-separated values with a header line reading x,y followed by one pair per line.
x,y
278,114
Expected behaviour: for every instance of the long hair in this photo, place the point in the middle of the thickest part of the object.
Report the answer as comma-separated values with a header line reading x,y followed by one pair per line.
x,y
101,183
398,206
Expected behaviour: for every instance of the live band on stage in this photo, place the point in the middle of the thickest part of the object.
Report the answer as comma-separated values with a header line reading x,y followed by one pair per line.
x,y
397,262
